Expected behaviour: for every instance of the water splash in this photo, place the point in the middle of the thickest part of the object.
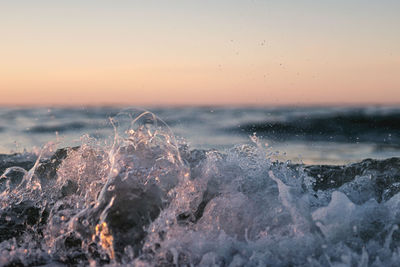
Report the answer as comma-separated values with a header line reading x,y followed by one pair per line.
x,y
141,198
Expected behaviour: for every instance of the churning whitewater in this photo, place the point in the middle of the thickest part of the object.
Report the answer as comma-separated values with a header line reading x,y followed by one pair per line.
x,y
145,199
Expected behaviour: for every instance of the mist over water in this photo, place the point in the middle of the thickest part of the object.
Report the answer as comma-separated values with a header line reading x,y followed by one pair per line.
x,y
132,191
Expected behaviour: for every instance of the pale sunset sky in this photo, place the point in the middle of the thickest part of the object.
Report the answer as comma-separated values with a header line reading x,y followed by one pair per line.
x,y
199,52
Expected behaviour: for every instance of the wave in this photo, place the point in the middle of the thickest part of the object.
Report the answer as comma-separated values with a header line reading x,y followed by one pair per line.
x,y
146,199
72,126
354,127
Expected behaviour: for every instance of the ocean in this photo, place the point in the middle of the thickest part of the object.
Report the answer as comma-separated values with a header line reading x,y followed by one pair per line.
x,y
310,135
200,186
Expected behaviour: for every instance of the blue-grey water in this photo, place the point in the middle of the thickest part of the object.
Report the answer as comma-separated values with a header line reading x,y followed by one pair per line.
x,y
200,186
312,135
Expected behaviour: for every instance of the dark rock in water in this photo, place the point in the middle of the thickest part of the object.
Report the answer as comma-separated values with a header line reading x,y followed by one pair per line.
x,y
384,174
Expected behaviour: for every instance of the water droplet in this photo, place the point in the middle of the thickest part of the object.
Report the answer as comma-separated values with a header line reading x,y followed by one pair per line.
x,y
111,187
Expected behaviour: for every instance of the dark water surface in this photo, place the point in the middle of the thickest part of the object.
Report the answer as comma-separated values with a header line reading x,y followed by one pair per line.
x,y
331,135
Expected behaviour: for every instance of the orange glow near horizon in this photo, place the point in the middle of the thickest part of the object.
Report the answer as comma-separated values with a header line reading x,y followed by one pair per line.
x,y
243,53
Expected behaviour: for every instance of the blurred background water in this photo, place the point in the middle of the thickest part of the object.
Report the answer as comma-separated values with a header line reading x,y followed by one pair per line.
x,y
311,135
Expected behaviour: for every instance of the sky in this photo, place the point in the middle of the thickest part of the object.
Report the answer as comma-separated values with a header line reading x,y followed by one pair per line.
x,y
199,52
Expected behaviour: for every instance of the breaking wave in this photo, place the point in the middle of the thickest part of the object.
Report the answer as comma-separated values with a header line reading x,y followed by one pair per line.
x,y
143,198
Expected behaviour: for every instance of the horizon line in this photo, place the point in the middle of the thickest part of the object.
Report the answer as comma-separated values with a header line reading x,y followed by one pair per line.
x,y
200,105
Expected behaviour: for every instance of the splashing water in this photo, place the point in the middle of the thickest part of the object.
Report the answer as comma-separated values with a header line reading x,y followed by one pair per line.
x,y
145,199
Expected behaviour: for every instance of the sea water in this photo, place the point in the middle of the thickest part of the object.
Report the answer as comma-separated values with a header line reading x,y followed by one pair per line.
x,y
200,187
